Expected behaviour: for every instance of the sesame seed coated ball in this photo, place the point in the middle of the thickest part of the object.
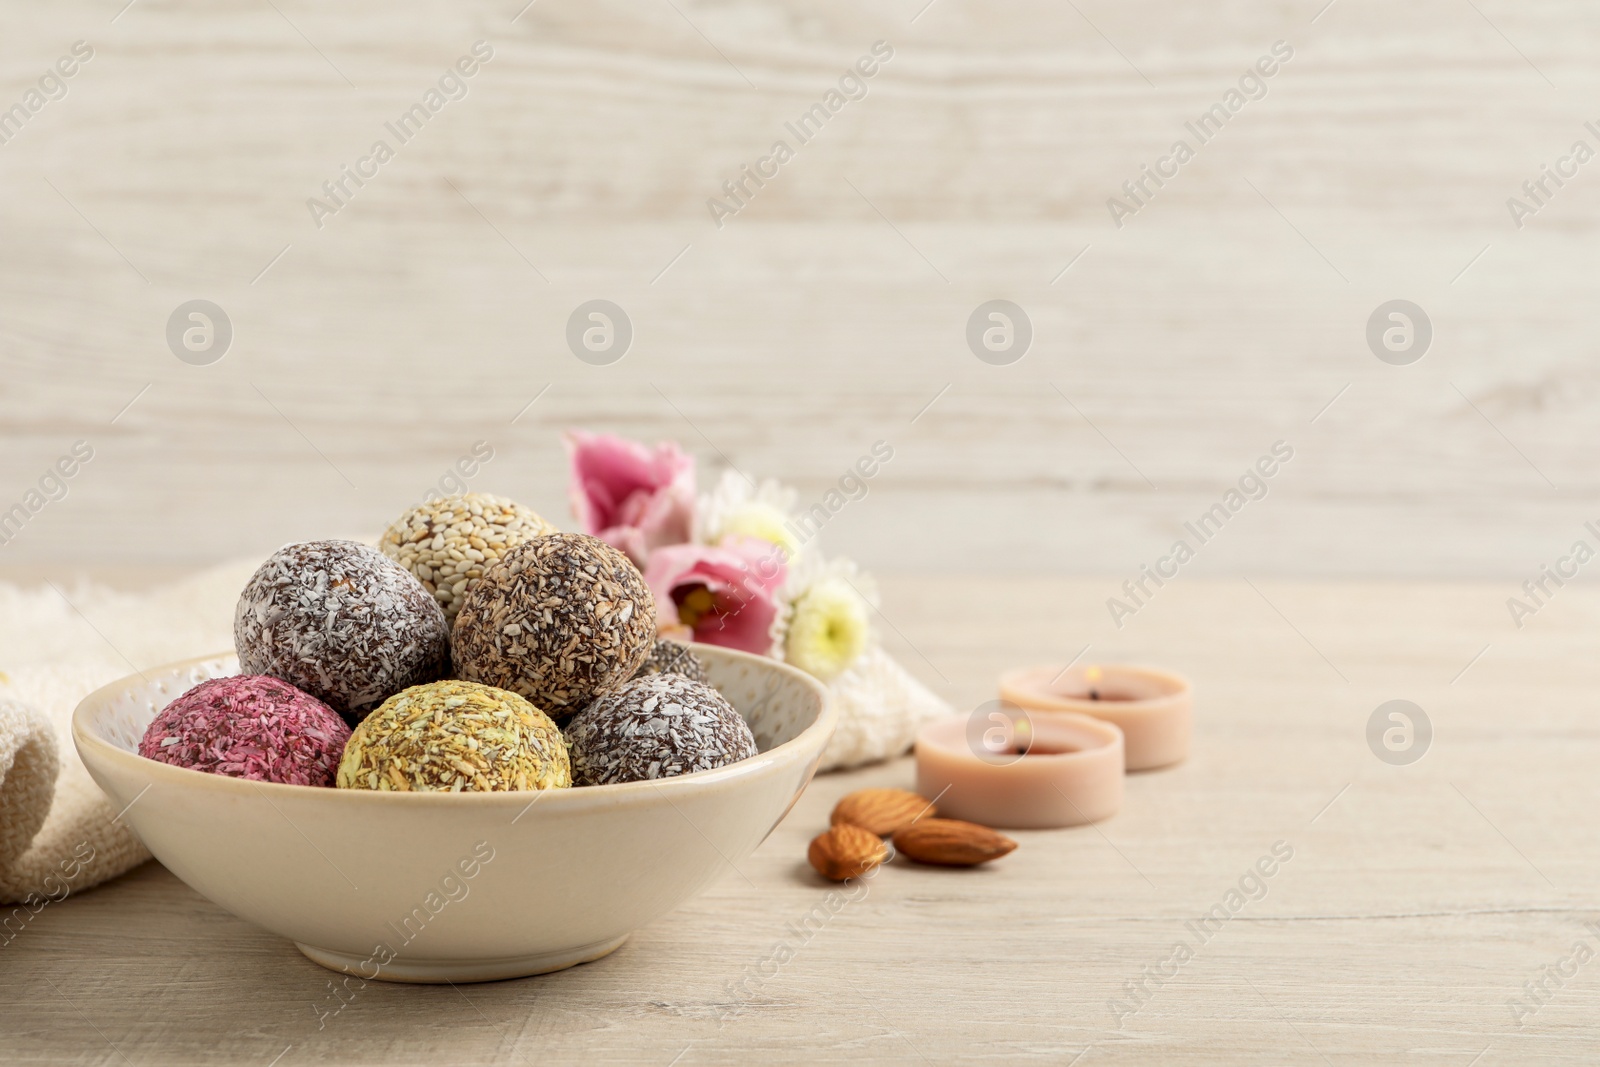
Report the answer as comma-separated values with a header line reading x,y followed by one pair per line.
x,y
448,542
250,726
455,737
559,620
341,621
673,657
657,726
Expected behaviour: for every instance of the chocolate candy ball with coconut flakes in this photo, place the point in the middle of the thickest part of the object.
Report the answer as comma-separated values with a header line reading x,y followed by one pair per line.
x,y
673,657
455,737
251,726
449,542
342,622
657,726
559,620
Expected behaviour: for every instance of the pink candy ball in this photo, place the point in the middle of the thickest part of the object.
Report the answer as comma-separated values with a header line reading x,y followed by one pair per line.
x,y
250,726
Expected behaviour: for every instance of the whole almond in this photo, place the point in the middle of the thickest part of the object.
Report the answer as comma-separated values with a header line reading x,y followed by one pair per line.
x,y
846,851
883,811
952,843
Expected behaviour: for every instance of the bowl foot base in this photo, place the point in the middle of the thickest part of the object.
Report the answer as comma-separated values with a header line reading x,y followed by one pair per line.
x,y
439,972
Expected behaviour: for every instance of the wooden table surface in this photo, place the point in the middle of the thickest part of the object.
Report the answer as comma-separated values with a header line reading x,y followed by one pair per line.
x,y
1418,900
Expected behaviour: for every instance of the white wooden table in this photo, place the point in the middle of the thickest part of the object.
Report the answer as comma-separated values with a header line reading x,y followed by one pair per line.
x,y
1418,901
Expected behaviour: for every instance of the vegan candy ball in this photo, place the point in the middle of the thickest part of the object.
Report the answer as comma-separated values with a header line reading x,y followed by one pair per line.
x,y
342,622
449,542
559,620
455,737
250,726
657,726
673,657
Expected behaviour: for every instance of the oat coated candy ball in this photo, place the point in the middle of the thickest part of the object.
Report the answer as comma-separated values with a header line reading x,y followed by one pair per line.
x,y
657,726
250,726
558,620
449,542
673,657
342,622
455,737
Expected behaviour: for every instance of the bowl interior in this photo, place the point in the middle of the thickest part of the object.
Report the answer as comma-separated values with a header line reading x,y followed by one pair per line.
x,y
122,720
761,690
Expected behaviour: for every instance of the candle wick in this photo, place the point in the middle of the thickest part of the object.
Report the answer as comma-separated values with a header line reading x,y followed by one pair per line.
x,y
1094,694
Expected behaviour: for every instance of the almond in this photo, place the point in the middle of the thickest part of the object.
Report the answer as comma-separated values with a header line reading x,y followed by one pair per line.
x,y
952,843
883,811
846,851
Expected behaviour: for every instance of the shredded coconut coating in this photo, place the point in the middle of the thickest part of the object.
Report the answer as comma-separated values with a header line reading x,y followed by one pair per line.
x,y
250,726
673,657
341,621
455,737
559,620
657,726
449,542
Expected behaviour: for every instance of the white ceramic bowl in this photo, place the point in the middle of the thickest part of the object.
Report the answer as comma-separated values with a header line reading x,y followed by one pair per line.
x,y
462,887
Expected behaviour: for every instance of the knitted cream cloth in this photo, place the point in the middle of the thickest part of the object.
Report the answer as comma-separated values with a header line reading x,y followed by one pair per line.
x,y
881,708
57,833
58,644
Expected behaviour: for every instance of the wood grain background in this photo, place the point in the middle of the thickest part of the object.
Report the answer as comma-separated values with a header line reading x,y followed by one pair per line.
x,y
424,316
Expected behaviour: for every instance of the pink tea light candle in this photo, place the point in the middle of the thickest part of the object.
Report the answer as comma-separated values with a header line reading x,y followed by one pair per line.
x,y
1154,708
1045,771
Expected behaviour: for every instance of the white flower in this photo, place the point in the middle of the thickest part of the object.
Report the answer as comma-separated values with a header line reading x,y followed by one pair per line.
x,y
811,569
734,508
829,630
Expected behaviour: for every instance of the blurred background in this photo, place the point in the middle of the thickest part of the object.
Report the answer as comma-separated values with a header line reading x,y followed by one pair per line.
x,y
423,314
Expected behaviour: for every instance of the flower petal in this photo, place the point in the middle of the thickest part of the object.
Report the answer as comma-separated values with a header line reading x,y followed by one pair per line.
x,y
742,585
620,488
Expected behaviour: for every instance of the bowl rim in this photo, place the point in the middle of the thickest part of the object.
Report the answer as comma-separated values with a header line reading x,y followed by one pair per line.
x,y
574,797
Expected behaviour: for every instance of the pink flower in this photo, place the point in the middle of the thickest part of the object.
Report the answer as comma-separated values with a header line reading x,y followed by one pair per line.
x,y
632,497
725,594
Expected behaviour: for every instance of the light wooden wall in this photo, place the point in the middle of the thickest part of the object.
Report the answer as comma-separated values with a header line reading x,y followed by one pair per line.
x,y
1221,318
